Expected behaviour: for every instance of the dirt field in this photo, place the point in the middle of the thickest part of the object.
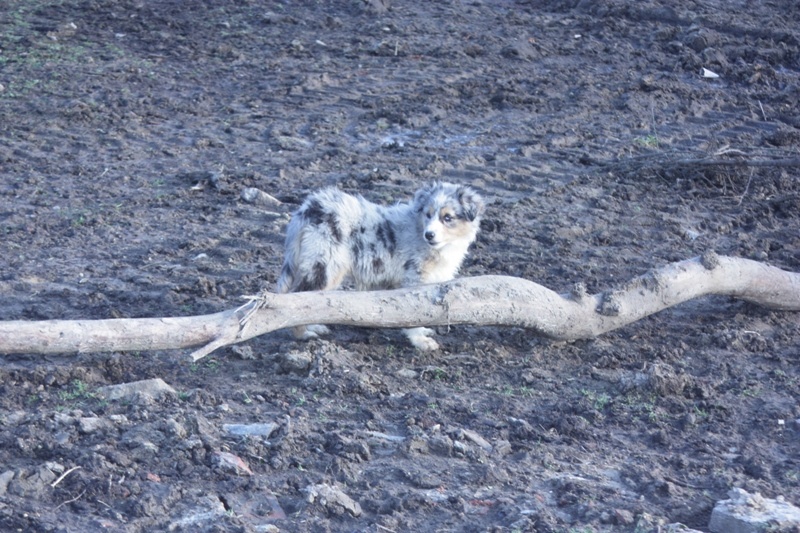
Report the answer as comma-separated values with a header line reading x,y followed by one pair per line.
x,y
130,128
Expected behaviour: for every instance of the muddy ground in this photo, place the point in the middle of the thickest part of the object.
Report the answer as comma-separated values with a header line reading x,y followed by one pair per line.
x,y
130,128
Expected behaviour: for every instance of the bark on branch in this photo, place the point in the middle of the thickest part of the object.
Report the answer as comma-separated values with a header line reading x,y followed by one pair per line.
x,y
483,300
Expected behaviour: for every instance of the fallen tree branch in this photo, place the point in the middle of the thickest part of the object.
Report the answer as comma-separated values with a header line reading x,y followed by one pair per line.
x,y
483,300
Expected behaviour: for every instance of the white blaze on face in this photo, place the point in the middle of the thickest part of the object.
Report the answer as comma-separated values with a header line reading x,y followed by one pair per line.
x,y
435,227
433,224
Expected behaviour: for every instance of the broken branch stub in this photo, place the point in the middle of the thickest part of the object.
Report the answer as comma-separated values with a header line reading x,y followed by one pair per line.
x,y
482,300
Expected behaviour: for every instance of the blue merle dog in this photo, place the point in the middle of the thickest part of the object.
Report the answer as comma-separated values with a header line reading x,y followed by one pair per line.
x,y
335,236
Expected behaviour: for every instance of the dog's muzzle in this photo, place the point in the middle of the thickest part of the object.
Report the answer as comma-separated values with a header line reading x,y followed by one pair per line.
x,y
430,237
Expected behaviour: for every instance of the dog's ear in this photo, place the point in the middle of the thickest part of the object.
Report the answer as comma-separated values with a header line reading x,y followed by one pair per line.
x,y
421,198
471,202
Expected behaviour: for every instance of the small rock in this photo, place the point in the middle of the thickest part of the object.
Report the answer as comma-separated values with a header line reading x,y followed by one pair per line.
x,y
15,418
210,512
55,467
423,479
460,448
90,424
255,430
332,498
231,463
519,49
204,429
153,388
63,419
5,479
33,484
295,362
379,438
623,517
244,352
502,448
752,513
477,439
407,373
418,445
252,195
441,445
260,506
174,428
118,419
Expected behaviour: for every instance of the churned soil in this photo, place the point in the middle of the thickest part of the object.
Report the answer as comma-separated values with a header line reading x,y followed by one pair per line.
x,y
608,138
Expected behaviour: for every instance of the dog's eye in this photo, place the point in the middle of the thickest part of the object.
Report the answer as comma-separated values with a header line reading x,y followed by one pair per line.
x,y
429,215
448,218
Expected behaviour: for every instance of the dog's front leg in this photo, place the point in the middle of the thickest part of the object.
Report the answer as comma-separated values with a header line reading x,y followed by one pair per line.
x,y
421,339
312,331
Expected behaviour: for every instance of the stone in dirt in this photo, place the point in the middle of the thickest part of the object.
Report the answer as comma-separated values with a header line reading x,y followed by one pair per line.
x,y
332,498
295,362
252,195
231,463
31,483
752,513
255,430
256,508
209,510
5,479
154,388
91,424
476,438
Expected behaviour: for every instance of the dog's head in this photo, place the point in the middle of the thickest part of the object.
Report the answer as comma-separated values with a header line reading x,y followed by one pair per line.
x,y
448,213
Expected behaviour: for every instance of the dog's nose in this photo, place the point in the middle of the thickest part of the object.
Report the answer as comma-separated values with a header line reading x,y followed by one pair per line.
x,y
430,236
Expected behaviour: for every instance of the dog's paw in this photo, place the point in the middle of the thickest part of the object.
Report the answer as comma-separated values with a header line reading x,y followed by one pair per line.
x,y
318,330
425,344
421,339
314,331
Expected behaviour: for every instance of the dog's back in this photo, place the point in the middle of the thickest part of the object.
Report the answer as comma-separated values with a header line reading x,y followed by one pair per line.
x,y
322,221
334,235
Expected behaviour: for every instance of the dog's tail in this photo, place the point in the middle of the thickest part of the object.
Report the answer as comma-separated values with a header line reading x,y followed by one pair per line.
x,y
286,281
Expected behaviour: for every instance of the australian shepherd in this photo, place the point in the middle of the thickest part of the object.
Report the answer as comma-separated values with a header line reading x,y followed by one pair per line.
x,y
335,236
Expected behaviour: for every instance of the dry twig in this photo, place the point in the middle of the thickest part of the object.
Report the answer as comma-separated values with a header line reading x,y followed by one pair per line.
x,y
62,476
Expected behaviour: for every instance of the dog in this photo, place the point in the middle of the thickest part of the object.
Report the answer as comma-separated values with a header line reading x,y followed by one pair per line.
x,y
335,236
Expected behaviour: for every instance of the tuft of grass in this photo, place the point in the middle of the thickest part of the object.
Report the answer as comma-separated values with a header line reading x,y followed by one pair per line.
x,y
299,398
211,364
78,390
599,400
648,141
644,406
434,373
